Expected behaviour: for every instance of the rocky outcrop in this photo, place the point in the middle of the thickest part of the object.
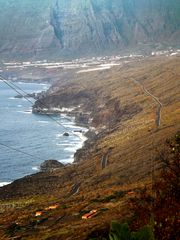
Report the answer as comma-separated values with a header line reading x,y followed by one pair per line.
x,y
63,28
66,134
50,165
29,95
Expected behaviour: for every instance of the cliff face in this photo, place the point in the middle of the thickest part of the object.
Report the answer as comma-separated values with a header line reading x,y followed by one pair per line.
x,y
24,28
84,27
100,25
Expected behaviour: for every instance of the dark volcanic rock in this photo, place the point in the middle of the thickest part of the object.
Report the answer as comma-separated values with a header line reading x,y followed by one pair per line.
x,y
50,165
31,185
66,134
82,119
29,95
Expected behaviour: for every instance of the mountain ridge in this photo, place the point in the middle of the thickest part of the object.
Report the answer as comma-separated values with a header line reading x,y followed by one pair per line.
x,y
67,29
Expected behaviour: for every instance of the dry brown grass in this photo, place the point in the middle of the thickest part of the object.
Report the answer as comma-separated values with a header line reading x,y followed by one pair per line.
x,y
135,142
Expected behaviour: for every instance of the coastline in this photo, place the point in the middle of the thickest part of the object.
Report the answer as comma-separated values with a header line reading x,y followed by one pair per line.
x,y
116,162
80,133
88,136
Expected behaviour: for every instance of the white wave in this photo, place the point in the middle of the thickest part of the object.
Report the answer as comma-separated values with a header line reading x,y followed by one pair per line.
x,y
13,98
66,144
44,84
64,115
19,106
23,99
59,135
75,147
67,160
25,112
71,149
174,54
81,136
46,122
4,183
45,87
67,109
71,133
36,168
23,83
63,109
73,125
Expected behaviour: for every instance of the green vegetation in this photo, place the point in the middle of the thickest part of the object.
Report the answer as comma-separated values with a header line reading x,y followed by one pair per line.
x,y
113,197
122,232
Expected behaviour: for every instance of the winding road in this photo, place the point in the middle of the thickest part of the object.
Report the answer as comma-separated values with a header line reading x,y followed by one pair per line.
x,y
74,190
105,158
160,105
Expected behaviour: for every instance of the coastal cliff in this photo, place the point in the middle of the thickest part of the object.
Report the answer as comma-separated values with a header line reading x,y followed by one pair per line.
x,y
115,166
106,101
128,168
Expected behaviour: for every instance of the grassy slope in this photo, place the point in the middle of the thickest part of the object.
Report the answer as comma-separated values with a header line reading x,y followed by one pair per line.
x,y
134,141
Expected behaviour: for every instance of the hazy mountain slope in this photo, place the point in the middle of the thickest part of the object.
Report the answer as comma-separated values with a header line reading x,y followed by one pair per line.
x,y
104,24
83,27
25,27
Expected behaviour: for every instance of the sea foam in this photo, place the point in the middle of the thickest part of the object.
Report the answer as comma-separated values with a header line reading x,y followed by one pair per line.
x,y
4,183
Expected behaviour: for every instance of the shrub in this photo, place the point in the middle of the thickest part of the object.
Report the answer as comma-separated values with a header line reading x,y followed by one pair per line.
x,y
122,232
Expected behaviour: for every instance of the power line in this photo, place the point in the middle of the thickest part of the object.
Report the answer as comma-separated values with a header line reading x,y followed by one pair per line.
x,y
20,151
14,87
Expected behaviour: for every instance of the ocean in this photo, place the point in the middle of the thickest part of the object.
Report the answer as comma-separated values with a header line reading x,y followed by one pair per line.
x,y
33,134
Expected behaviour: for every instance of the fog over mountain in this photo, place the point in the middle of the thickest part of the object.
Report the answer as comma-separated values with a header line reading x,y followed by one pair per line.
x,y
74,28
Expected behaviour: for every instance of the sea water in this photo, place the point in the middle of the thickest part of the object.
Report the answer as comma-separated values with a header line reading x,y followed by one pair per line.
x,y
33,134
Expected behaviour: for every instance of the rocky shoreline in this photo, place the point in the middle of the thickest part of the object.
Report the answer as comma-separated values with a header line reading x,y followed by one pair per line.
x,y
115,164
48,167
81,120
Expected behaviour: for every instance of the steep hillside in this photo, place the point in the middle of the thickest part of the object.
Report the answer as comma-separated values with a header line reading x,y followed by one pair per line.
x,y
114,165
64,28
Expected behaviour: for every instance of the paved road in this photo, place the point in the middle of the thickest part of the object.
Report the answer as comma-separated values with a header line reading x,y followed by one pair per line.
x,y
74,190
160,105
105,157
